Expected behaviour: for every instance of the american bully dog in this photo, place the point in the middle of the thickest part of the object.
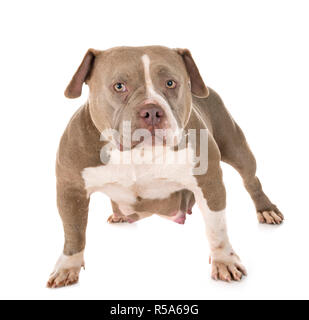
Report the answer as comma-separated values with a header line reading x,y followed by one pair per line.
x,y
151,136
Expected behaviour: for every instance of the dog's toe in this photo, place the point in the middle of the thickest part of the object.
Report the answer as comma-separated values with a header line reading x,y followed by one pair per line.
x,y
115,218
227,271
270,217
63,278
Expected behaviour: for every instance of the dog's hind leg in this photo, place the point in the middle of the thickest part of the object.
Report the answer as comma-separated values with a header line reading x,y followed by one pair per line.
x,y
236,152
117,216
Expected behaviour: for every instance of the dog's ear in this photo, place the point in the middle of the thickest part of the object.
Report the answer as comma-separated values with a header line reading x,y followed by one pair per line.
x,y
74,89
198,87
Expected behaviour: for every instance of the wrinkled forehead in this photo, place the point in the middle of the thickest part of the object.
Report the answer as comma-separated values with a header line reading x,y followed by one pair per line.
x,y
132,61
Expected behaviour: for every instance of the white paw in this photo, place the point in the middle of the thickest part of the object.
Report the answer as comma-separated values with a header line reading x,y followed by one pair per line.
x,y
227,267
66,271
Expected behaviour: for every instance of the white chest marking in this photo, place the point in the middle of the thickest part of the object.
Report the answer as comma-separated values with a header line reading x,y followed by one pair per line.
x,y
150,175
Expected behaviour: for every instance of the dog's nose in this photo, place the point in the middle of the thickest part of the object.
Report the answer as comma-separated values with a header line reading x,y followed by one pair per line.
x,y
152,115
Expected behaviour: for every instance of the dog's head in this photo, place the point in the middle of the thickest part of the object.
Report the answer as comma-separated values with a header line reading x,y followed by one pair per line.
x,y
148,88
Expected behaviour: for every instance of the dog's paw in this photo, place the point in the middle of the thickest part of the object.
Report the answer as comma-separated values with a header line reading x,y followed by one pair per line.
x,y
66,271
270,217
227,271
226,266
63,278
116,218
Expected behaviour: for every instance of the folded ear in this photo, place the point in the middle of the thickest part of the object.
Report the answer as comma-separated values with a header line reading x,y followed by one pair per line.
x,y
74,89
198,87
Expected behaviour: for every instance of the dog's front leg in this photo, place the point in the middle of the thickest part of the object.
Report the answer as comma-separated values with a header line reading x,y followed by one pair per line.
x,y
211,198
73,204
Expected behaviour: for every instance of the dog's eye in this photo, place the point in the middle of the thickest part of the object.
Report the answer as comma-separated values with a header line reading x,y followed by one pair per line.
x,y
171,84
120,87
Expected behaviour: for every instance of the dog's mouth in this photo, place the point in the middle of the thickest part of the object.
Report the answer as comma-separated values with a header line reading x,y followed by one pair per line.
x,y
142,138
150,127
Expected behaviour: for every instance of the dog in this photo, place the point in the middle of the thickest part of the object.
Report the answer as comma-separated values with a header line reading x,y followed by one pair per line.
x,y
150,90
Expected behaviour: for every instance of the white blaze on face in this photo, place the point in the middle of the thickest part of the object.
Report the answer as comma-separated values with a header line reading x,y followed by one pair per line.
x,y
154,97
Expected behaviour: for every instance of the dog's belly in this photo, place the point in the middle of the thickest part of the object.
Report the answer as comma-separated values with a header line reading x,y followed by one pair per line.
x,y
152,189
128,184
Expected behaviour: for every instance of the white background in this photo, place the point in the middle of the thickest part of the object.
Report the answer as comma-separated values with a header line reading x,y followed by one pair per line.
x,y
254,53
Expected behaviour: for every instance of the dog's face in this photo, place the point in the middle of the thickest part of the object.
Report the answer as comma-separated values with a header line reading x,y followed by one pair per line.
x,y
145,88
